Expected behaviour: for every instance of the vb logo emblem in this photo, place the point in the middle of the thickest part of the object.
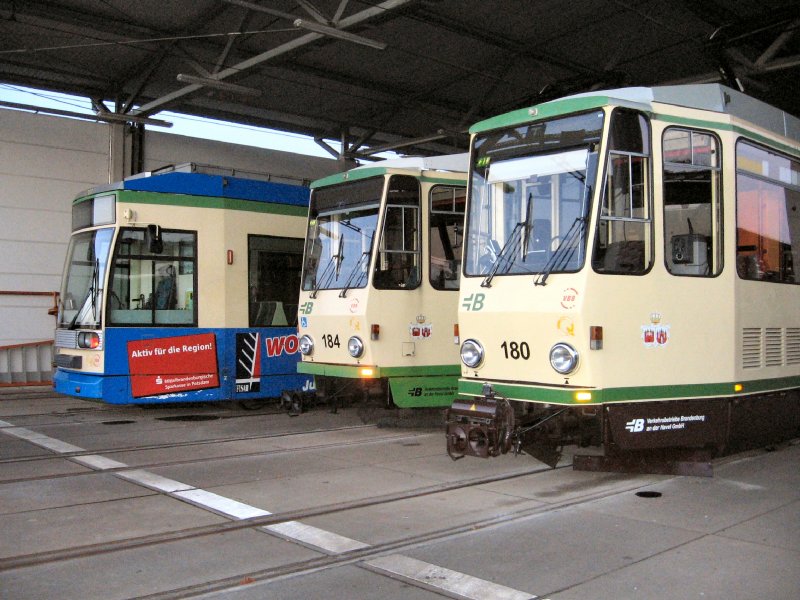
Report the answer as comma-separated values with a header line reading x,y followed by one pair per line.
x,y
473,302
635,426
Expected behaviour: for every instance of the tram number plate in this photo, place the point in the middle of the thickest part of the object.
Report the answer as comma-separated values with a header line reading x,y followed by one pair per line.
x,y
331,341
516,350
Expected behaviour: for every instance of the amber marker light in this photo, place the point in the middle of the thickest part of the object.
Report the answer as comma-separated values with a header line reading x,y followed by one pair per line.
x,y
583,396
595,337
738,387
374,331
366,372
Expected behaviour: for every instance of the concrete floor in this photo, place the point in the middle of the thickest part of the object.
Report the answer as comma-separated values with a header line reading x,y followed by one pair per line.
x,y
79,483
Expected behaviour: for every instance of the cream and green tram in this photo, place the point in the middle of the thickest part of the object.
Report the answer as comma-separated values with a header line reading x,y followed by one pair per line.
x,y
630,279
377,315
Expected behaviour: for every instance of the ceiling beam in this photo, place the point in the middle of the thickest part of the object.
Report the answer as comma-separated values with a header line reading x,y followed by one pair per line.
x,y
103,114
304,40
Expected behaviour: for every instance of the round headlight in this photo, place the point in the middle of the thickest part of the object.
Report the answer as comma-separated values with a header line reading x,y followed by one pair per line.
x,y
355,347
563,358
306,345
471,353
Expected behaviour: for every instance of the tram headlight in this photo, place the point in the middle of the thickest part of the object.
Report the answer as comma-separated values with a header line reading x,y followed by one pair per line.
x,y
306,345
355,347
88,339
471,353
563,358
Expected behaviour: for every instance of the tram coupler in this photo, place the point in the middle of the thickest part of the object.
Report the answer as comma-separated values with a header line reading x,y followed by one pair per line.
x,y
479,427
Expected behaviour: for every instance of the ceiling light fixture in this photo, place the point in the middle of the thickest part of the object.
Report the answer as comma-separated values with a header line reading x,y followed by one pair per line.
x,y
218,84
338,34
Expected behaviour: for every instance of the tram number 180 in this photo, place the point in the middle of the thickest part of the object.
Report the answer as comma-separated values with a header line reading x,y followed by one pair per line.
x,y
516,350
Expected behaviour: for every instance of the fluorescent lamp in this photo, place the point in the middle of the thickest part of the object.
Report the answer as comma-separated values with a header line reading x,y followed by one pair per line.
x,y
338,34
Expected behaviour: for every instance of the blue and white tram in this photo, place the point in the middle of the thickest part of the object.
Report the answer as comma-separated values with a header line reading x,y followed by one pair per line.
x,y
182,286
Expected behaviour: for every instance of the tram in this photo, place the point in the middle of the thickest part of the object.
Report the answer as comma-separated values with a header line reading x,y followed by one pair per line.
x,y
181,286
381,272
630,280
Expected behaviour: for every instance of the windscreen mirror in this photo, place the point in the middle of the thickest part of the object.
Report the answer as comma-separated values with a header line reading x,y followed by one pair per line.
x,y
155,244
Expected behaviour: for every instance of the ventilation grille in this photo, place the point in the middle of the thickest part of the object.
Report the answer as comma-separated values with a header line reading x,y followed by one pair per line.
x,y
751,348
770,347
773,347
66,338
793,345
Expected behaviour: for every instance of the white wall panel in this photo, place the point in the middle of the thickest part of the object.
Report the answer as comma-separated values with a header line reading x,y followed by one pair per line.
x,y
39,192
45,162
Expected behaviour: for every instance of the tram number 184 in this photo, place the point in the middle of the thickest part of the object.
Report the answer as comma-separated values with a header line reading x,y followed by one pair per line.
x,y
516,350
331,341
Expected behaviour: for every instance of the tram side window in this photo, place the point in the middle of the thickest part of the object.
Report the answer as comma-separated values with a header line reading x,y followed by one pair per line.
x,y
274,266
447,205
692,218
151,283
398,263
623,244
767,215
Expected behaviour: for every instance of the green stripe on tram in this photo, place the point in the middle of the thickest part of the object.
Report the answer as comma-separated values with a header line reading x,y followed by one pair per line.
x,y
551,395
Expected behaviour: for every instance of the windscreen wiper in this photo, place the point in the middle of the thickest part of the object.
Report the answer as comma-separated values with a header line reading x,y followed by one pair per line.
x,y
324,277
339,256
527,225
356,269
563,254
90,293
328,272
504,255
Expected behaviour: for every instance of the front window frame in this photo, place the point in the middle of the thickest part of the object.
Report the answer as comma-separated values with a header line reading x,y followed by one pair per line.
x,y
549,142
626,256
444,252
324,266
86,300
398,260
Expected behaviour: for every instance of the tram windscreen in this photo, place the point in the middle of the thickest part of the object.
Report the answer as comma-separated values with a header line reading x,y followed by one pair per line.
x,y
531,191
84,273
341,232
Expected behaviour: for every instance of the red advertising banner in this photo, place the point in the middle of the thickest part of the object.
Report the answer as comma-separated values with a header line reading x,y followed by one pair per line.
x,y
173,364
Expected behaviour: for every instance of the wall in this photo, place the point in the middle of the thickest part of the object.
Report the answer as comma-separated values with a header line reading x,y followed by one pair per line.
x,y
45,162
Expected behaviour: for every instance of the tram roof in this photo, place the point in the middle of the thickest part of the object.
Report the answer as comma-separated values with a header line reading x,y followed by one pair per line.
x,y
453,163
211,184
711,97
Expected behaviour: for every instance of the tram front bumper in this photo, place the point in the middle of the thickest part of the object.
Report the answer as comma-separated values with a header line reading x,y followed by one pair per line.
x,y
81,385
